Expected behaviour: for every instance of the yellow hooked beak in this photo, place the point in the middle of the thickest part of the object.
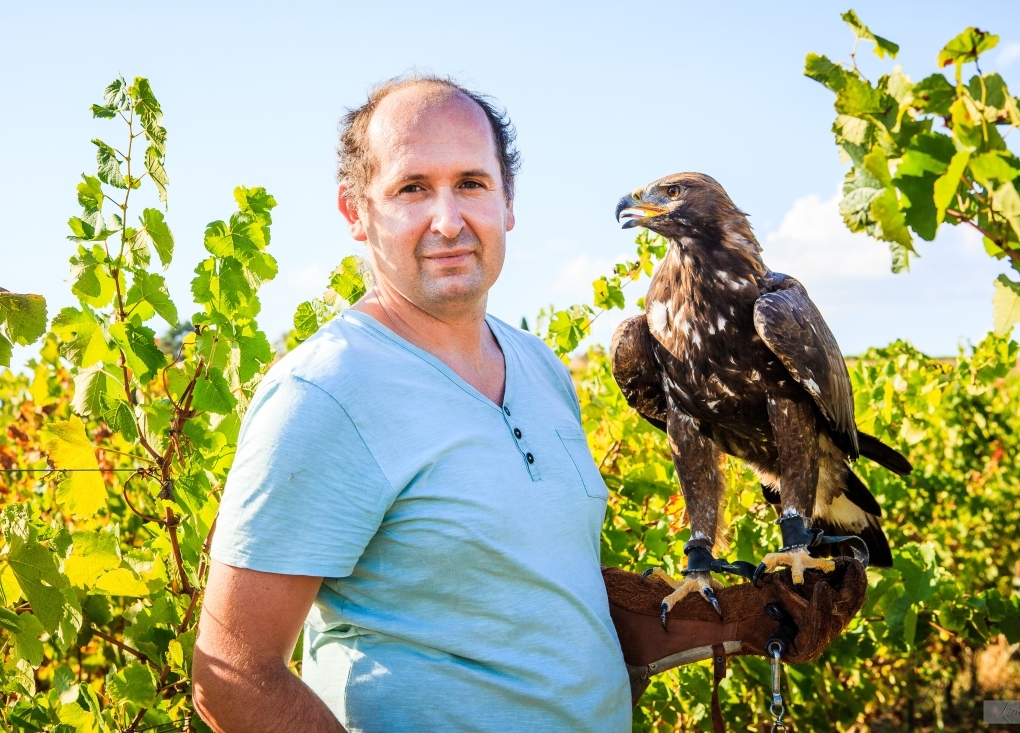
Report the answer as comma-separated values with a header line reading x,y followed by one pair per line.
x,y
636,212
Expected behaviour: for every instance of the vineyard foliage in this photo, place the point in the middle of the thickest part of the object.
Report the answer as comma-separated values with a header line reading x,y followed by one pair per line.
x,y
114,449
114,452
929,152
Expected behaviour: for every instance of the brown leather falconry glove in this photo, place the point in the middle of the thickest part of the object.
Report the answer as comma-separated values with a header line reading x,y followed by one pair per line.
x,y
805,617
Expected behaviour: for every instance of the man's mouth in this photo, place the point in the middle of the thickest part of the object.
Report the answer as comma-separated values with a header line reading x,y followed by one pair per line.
x,y
450,256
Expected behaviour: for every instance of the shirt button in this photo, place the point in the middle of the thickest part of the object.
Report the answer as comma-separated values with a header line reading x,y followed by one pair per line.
x,y
507,411
531,458
517,433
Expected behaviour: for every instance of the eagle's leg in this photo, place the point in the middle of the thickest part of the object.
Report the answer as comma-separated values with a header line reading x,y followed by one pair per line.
x,y
796,430
697,460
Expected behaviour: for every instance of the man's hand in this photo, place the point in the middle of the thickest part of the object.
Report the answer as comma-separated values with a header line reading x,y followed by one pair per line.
x,y
249,625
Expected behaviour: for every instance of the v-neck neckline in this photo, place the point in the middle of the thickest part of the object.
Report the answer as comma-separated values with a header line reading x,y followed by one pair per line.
x,y
368,321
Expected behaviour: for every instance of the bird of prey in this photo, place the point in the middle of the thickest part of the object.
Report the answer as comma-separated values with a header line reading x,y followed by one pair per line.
x,y
732,358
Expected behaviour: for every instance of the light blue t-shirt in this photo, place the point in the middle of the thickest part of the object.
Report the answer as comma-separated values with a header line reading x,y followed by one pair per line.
x,y
458,539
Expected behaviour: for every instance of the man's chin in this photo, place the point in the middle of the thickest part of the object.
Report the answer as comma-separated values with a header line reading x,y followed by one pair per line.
x,y
467,288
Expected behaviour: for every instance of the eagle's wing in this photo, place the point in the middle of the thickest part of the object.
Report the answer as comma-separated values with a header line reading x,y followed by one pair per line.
x,y
791,326
634,367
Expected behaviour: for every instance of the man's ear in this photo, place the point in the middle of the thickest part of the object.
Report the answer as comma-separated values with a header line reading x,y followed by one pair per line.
x,y
510,221
350,212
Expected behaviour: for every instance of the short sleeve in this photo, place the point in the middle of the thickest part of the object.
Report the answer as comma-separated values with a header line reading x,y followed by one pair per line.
x,y
305,494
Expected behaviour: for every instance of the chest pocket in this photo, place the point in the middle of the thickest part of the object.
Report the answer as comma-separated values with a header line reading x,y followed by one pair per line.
x,y
577,448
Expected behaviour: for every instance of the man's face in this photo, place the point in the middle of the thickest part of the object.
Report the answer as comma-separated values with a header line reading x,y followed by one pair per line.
x,y
435,216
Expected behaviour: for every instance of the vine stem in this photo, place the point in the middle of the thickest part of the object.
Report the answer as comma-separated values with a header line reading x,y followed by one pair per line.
x,y
1013,254
106,637
630,278
171,525
195,593
180,417
131,506
122,453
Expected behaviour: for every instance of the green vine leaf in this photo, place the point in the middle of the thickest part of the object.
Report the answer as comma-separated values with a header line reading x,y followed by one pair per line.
x,y
883,47
1005,305
133,684
148,296
23,321
347,281
967,47
138,344
90,389
86,340
109,171
35,568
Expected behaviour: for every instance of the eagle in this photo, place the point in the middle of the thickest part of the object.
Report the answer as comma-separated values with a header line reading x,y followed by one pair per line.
x,y
730,358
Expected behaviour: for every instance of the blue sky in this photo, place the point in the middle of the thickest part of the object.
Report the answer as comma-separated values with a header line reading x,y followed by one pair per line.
x,y
606,97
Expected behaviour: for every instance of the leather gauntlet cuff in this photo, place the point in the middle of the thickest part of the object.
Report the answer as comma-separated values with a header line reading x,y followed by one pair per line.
x,y
804,618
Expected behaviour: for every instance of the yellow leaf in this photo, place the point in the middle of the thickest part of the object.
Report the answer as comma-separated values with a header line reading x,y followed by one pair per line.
x,y
76,716
122,582
69,447
93,554
9,586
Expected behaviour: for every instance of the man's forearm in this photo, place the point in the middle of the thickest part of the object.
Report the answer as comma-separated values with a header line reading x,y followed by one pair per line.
x,y
271,700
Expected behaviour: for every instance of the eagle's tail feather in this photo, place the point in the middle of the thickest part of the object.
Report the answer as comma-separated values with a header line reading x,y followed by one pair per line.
x,y
854,511
858,492
873,448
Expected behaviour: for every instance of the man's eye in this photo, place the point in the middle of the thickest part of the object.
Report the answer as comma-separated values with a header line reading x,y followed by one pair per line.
x,y
471,184
673,191
411,188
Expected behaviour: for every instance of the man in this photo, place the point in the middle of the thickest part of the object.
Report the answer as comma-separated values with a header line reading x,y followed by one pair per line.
x,y
414,478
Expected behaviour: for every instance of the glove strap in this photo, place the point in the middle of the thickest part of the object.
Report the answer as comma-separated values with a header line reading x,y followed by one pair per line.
x,y
719,674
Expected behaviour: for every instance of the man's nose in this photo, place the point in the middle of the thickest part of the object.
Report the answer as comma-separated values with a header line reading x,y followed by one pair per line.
x,y
446,218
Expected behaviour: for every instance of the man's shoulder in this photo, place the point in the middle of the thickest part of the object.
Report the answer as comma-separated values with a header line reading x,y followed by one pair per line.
x,y
342,354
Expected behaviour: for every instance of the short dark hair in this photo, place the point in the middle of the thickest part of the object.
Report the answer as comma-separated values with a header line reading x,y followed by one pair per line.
x,y
354,159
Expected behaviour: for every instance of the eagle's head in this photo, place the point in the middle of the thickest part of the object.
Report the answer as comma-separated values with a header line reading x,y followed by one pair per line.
x,y
691,209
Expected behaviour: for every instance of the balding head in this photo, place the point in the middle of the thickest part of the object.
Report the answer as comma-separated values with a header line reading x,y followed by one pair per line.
x,y
404,102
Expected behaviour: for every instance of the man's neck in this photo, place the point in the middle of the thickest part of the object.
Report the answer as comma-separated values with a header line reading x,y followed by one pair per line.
x,y
458,337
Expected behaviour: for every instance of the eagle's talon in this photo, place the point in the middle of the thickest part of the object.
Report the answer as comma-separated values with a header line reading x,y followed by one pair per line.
x,y
758,572
798,560
709,595
699,581
645,574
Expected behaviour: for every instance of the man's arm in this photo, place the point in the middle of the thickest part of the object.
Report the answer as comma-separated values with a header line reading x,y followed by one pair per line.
x,y
249,625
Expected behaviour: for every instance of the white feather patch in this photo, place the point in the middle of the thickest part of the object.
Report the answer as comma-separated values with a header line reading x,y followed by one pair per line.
x,y
658,315
843,513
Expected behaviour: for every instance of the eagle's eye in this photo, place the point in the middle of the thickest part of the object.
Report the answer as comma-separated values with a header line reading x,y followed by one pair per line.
x,y
673,191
